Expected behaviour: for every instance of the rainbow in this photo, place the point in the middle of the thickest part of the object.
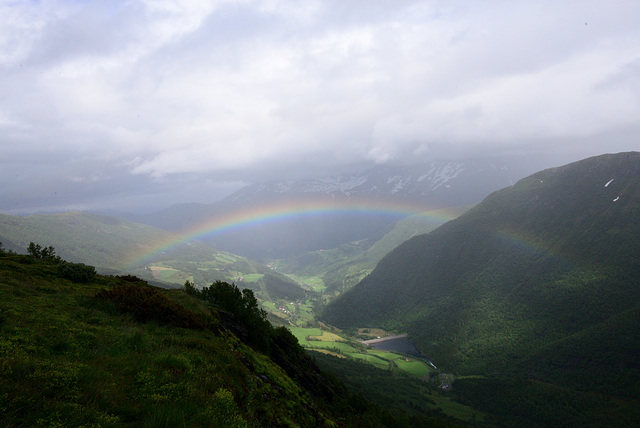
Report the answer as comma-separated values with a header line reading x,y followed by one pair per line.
x,y
265,214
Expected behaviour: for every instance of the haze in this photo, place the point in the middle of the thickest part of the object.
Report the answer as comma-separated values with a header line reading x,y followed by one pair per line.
x,y
137,105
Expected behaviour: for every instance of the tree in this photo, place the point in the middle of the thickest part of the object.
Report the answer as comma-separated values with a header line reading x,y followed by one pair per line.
x,y
244,306
39,253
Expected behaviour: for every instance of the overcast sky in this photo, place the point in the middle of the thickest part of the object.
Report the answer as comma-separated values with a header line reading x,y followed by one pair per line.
x,y
131,104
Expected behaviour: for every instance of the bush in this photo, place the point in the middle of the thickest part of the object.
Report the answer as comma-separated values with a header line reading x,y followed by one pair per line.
x,y
146,303
78,272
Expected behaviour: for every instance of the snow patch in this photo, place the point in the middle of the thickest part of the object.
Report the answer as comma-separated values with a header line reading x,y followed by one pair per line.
x,y
445,173
339,184
398,183
608,182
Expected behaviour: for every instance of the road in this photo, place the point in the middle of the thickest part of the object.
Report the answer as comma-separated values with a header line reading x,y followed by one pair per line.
x,y
384,339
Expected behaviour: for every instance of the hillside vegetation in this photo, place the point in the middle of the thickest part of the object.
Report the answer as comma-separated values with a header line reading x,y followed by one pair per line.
x,y
339,269
534,291
113,245
114,351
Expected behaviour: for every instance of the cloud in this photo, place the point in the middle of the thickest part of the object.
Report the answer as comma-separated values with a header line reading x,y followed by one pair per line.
x,y
229,91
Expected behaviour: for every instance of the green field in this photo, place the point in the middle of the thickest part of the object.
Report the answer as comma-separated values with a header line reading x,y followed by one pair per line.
x,y
321,340
412,367
302,333
370,359
252,277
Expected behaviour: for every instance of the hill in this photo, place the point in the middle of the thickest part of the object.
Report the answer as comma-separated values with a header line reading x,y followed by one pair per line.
x,y
102,241
114,245
536,287
114,351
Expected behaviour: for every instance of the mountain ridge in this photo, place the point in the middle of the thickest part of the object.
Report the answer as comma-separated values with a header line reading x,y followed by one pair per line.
x,y
415,188
534,266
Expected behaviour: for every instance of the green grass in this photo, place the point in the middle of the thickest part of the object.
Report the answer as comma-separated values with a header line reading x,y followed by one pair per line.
x,y
370,359
412,367
301,334
383,354
70,358
252,277
456,410
339,346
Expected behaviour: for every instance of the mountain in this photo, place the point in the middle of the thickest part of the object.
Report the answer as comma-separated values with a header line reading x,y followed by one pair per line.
x,y
342,267
114,351
289,217
535,288
118,246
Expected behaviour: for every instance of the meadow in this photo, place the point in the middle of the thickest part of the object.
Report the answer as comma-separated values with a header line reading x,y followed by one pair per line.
x,y
316,339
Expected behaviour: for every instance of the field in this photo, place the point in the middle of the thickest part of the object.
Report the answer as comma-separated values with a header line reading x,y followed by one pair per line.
x,y
170,275
316,339
413,367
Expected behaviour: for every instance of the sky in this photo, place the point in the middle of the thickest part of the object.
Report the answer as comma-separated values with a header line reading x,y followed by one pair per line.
x,y
138,104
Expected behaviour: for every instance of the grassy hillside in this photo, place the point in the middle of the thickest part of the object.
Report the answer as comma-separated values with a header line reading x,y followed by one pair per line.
x,y
110,243
102,241
116,352
539,283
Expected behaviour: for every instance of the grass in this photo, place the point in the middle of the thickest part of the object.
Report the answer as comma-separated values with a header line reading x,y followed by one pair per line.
x,y
252,277
301,334
327,337
386,355
330,343
313,282
412,367
370,359
170,275
70,358
457,410
337,346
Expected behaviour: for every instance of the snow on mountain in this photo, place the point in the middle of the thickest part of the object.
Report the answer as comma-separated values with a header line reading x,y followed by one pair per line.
x,y
433,183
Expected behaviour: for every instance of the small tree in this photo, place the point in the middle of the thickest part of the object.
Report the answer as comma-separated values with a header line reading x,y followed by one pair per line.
x,y
190,288
34,250
39,253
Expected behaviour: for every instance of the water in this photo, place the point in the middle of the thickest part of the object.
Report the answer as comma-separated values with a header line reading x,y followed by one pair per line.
x,y
401,345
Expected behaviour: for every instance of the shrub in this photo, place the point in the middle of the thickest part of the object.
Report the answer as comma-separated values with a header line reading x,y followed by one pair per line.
x,y
146,303
78,272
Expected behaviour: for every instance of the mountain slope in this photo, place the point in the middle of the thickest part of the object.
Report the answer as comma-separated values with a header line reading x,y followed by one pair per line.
x,y
342,267
116,352
99,240
519,280
387,194
111,243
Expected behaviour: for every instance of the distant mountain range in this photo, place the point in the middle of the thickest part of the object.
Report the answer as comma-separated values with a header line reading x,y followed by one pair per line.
x,y
379,197
538,283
